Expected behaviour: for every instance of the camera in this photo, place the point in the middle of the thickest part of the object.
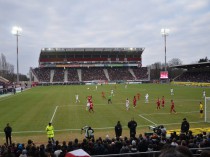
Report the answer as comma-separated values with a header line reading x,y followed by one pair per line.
x,y
159,130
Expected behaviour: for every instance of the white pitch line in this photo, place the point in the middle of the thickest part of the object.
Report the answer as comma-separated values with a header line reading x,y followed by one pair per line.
x,y
54,114
149,114
7,97
180,123
105,128
94,104
147,119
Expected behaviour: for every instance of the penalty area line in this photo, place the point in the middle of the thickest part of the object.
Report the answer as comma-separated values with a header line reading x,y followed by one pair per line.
x,y
53,114
147,119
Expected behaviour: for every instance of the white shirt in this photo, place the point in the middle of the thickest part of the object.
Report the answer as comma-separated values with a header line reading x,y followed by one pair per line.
x,y
77,97
127,102
57,152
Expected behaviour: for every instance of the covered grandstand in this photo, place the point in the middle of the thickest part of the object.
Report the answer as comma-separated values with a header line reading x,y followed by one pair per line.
x,y
82,65
197,74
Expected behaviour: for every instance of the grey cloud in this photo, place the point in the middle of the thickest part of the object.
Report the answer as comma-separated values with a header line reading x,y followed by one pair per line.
x,y
93,23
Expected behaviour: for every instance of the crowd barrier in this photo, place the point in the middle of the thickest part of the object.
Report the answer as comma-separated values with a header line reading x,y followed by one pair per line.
x,y
152,153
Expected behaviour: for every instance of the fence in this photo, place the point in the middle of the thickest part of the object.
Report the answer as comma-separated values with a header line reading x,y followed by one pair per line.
x,y
196,153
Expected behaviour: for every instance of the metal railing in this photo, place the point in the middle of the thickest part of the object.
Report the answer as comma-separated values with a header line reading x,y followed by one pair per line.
x,y
196,153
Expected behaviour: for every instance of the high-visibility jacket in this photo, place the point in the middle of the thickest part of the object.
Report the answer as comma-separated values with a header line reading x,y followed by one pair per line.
x,y
50,131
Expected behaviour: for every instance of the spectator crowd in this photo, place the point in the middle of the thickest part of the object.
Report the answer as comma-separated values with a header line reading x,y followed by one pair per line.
x,y
107,145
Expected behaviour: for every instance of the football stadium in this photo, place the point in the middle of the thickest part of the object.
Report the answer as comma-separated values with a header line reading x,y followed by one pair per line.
x,y
85,92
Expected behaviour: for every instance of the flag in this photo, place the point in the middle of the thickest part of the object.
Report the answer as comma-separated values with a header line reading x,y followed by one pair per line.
x,y
77,153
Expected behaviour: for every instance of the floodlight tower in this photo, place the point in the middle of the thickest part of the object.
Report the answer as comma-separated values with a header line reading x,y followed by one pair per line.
x,y
165,32
17,32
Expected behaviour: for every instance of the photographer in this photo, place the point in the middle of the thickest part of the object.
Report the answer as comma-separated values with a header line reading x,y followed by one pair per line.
x,y
159,130
89,132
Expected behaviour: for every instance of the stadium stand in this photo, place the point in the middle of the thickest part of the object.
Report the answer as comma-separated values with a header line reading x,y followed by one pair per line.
x,y
58,75
81,65
199,72
194,76
43,74
116,74
141,73
89,74
72,75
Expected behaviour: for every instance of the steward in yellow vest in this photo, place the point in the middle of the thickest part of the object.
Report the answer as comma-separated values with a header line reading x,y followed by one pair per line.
x,y
50,132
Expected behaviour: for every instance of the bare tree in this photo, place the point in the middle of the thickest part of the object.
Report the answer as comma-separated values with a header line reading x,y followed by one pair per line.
x,y
155,70
6,69
203,60
174,62
174,72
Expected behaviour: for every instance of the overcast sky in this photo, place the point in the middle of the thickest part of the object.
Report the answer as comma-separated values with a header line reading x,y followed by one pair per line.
x,y
106,23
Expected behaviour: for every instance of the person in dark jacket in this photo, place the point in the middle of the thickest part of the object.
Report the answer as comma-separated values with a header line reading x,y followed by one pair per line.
x,y
8,134
132,126
118,129
185,126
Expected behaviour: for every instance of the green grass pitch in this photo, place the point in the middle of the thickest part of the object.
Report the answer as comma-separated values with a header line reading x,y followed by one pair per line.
x,y
30,111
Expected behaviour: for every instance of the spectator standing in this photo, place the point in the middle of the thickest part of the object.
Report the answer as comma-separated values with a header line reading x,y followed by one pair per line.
x,y
118,129
132,126
8,134
50,132
185,126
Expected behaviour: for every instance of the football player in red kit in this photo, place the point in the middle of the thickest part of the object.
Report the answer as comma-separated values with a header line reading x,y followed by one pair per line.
x,y
134,101
103,95
163,101
158,103
91,107
138,96
89,98
172,107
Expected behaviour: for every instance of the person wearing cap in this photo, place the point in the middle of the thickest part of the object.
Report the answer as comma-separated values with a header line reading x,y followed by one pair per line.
x,y
50,132
185,126
8,134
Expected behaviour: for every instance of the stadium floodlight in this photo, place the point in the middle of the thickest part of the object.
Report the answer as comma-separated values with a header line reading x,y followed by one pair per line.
x,y
165,32
17,32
